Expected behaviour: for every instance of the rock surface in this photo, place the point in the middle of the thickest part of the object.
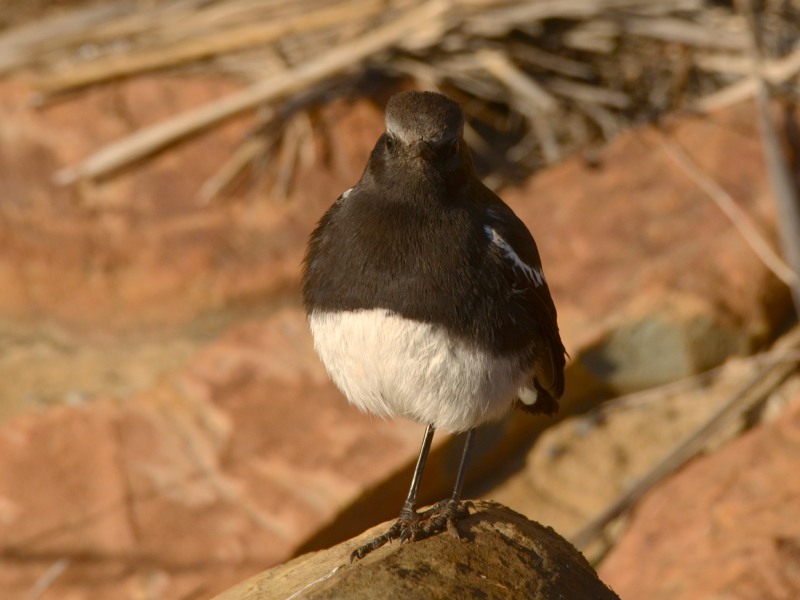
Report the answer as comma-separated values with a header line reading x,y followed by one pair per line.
x,y
652,282
506,557
724,527
584,463
141,250
224,467
232,423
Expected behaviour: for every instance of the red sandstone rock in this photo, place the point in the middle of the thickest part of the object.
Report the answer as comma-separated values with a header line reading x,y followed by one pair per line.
x,y
223,468
248,453
726,526
140,249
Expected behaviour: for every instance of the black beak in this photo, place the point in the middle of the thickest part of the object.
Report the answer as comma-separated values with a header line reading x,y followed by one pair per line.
x,y
423,149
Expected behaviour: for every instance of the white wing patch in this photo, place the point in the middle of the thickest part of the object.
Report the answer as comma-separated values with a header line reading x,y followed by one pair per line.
x,y
527,395
534,274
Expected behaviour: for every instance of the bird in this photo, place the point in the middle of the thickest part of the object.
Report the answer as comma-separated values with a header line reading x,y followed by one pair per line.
x,y
426,298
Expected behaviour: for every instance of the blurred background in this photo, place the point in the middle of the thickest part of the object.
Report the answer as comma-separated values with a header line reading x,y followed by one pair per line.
x,y
165,427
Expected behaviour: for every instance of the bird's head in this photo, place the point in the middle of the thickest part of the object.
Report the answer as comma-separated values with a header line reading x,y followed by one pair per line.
x,y
424,129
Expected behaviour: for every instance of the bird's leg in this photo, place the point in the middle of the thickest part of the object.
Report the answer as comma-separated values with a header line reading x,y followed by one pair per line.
x,y
444,515
403,528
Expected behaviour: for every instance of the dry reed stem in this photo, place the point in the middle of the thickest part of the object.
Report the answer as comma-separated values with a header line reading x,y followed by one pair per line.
x,y
567,72
752,394
194,49
150,139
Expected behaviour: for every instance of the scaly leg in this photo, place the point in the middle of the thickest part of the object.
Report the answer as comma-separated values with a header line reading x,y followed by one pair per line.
x,y
409,518
444,515
412,525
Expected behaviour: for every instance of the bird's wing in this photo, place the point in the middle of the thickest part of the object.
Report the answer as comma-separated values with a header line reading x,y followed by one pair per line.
x,y
515,250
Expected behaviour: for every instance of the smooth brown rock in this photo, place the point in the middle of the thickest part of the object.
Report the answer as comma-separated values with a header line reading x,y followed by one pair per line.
x,y
505,557
724,527
583,464
140,250
651,280
226,466
247,454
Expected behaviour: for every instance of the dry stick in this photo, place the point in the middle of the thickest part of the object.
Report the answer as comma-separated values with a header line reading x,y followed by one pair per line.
x,y
584,92
241,157
217,15
120,26
603,118
230,40
781,179
47,579
286,161
426,74
537,104
179,19
495,22
728,205
727,64
753,393
150,139
775,72
21,46
692,382
670,29
551,62
499,65
154,22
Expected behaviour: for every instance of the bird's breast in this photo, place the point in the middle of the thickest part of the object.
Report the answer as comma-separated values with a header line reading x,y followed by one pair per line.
x,y
392,366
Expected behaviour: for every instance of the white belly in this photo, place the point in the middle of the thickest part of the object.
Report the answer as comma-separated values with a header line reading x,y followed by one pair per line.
x,y
391,366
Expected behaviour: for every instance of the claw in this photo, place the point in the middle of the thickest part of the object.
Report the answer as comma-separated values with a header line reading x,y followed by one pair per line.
x,y
362,551
453,530
413,526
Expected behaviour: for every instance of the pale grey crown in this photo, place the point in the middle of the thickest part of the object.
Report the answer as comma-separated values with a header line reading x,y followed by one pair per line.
x,y
428,116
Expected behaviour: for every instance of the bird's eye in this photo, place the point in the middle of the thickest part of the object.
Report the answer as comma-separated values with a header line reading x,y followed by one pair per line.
x,y
390,142
453,149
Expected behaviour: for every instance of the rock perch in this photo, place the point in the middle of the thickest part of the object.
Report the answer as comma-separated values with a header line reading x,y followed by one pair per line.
x,y
507,556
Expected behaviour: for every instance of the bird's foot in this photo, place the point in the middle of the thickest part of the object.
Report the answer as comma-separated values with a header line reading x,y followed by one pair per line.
x,y
443,515
408,519
412,525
